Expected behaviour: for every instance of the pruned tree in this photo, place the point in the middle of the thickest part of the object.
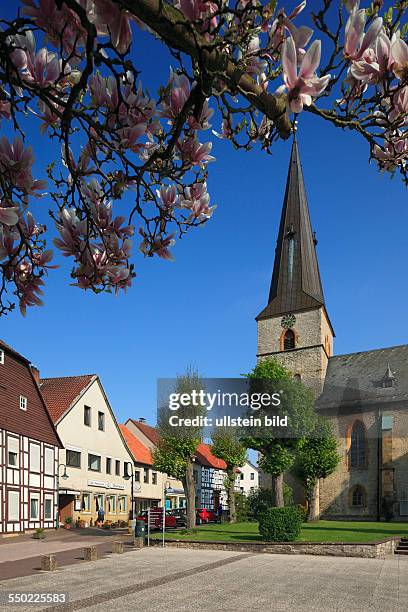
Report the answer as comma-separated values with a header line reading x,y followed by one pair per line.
x,y
277,448
317,458
175,452
227,446
71,65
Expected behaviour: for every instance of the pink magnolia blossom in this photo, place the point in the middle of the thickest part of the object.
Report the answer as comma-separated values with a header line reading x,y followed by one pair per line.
x,y
399,107
168,196
399,53
111,21
196,198
16,162
179,92
159,245
374,62
300,35
356,41
5,109
394,153
306,85
193,152
8,236
9,216
199,10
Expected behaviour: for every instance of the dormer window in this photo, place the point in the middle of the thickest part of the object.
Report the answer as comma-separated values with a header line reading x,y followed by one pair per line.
x,y
1,356
23,402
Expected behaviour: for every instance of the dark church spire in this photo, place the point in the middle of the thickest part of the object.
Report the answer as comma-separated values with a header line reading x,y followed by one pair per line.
x,y
296,283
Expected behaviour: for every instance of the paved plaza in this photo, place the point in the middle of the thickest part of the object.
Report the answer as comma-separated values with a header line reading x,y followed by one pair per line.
x,y
191,580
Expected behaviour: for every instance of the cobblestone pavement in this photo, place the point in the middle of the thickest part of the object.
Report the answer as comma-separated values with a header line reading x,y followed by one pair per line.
x,y
188,580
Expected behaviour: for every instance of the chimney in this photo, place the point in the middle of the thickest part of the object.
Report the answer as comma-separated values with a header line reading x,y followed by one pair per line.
x,y
142,420
36,373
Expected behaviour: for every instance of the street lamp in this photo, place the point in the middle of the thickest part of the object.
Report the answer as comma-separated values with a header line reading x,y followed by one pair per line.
x,y
64,476
127,477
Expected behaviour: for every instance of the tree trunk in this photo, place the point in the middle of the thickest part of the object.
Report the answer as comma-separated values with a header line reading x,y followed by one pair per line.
x,y
313,512
231,499
277,487
189,488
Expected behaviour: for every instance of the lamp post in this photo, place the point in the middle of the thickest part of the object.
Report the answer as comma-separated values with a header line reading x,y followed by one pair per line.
x,y
64,476
132,497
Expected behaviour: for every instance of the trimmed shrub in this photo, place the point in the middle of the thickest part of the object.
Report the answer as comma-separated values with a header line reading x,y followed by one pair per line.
x,y
280,524
242,508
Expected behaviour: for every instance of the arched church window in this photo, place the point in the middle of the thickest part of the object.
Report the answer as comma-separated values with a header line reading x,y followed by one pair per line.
x,y
358,446
289,340
358,496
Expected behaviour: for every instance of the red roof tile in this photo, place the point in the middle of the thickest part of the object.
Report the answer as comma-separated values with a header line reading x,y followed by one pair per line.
x,y
59,393
140,453
205,457
149,431
203,453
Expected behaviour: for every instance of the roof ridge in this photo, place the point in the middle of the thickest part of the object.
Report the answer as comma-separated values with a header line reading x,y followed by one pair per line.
x,y
384,348
63,377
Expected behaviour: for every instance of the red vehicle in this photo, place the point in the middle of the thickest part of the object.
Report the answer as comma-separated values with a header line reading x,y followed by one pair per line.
x,y
156,519
204,516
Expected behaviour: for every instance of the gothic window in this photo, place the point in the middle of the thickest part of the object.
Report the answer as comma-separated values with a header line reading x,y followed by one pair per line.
x,y
358,446
289,340
358,496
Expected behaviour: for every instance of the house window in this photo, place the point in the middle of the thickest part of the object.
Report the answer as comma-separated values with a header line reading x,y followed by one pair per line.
x,y
98,501
34,507
252,476
12,459
289,340
48,508
241,476
73,458
108,465
386,421
358,446
358,497
101,421
94,463
111,504
154,478
23,402
122,504
117,467
146,475
86,502
1,357
87,416
13,506
137,475
35,458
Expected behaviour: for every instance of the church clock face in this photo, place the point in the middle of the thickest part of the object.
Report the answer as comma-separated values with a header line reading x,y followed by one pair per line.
x,y
288,321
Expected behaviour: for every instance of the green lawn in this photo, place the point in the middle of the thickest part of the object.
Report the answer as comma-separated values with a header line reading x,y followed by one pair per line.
x,y
323,531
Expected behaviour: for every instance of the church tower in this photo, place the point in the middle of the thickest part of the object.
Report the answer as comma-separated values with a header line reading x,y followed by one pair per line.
x,y
294,327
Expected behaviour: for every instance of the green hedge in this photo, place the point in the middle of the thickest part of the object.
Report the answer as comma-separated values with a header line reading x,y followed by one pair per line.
x,y
280,524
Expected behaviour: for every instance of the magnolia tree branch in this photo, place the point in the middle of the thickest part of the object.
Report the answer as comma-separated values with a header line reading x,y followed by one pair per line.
x,y
243,67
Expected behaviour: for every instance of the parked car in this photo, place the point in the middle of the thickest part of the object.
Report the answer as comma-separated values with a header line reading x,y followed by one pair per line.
x,y
156,519
204,516
180,516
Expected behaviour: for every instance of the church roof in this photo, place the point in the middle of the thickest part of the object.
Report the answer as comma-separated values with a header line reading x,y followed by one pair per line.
x,y
358,378
296,283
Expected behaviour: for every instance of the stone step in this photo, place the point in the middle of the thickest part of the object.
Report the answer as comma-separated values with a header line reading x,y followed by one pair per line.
x,y
403,545
401,552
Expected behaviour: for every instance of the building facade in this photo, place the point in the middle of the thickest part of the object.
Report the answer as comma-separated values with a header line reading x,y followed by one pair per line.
x,y
29,448
364,395
148,436
149,484
97,460
247,478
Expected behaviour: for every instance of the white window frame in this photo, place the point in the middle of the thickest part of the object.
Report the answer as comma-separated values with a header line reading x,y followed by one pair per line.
x,y
124,510
1,357
23,403
89,497
48,498
100,462
35,497
109,499
12,465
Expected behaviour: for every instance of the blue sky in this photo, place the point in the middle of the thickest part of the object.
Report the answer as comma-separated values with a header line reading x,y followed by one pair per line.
x,y
200,309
